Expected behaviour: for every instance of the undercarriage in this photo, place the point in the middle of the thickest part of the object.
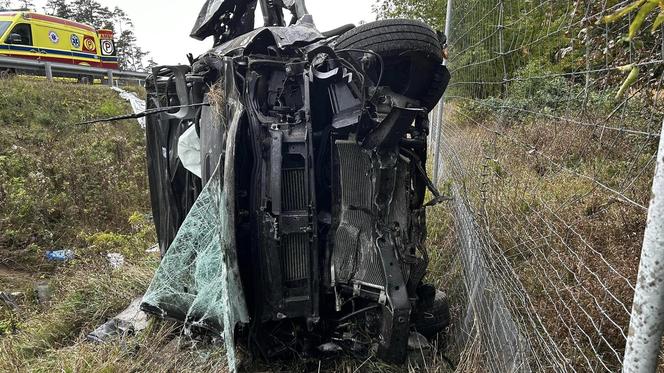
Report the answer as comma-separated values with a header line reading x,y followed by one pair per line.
x,y
326,175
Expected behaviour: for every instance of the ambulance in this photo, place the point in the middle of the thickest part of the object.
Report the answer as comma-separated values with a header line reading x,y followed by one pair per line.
x,y
53,39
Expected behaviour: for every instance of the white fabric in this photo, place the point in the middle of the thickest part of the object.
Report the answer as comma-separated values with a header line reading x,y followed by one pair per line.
x,y
189,151
137,105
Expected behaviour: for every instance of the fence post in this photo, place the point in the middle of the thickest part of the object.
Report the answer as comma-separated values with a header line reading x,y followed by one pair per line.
x,y
49,71
647,318
110,77
441,105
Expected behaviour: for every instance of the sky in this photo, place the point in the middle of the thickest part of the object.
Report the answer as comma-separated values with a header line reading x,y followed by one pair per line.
x,y
162,27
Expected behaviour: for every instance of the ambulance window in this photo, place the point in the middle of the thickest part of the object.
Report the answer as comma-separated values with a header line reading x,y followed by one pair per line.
x,y
23,34
4,25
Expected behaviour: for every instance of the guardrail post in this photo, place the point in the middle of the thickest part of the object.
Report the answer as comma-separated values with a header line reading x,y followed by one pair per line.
x,y
110,77
49,71
647,319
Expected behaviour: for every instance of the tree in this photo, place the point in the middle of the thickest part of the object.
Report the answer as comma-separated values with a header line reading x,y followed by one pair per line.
x,y
59,8
26,4
91,12
130,55
151,64
121,20
430,11
22,4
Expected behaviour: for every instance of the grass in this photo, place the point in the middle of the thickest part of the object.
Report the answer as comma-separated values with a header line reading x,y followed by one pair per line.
x,y
554,230
84,188
60,182
64,186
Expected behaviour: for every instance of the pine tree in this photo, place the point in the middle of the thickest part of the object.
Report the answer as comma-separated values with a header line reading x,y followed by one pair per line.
x,y
151,64
91,12
130,55
26,4
58,8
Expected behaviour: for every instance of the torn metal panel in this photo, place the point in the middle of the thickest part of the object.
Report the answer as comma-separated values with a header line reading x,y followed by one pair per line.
x,y
304,33
129,321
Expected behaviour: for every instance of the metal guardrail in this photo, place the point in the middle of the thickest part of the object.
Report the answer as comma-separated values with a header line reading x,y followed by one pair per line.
x,y
50,68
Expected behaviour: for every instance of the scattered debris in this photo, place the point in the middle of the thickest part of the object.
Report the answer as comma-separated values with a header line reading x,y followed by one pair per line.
x,y
60,255
329,347
189,151
137,105
153,249
10,299
116,260
417,341
128,322
43,293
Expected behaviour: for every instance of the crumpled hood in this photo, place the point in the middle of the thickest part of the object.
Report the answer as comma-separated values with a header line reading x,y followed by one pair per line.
x,y
300,34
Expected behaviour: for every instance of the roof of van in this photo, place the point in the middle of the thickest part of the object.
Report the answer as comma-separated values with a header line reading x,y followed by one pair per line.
x,y
46,18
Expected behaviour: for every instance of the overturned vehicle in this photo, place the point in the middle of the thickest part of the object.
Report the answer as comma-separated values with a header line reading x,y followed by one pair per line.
x,y
287,178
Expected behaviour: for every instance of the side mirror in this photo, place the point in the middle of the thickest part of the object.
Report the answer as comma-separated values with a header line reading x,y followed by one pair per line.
x,y
14,39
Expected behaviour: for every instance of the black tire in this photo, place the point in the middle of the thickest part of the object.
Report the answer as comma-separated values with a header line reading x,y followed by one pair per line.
x,y
412,55
433,319
393,38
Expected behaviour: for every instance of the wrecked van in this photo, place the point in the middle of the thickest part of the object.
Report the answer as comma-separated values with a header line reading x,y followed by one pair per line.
x,y
288,182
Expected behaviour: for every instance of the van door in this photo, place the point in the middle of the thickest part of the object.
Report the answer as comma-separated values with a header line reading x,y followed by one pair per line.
x,y
53,42
21,42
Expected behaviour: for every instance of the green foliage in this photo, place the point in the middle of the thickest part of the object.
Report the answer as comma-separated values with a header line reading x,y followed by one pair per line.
x,y
431,12
92,12
64,186
130,244
61,183
645,8
537,86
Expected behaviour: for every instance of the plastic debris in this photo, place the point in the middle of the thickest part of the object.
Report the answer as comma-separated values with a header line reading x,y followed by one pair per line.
x,y
153,249
43,293
137,105
116,260
127,322
329,347
189,151
60,255
9,299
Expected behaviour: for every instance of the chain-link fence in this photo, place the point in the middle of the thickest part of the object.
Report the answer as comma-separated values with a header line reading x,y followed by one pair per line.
x,y
548,143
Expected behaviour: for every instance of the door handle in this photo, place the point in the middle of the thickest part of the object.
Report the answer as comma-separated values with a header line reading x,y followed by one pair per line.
x,y
43,51
33,50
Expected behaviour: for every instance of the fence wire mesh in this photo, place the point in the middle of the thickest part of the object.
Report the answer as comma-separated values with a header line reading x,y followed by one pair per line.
x,y
547,141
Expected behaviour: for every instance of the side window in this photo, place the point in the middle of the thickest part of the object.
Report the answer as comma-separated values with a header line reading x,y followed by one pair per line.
x,y
20,35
